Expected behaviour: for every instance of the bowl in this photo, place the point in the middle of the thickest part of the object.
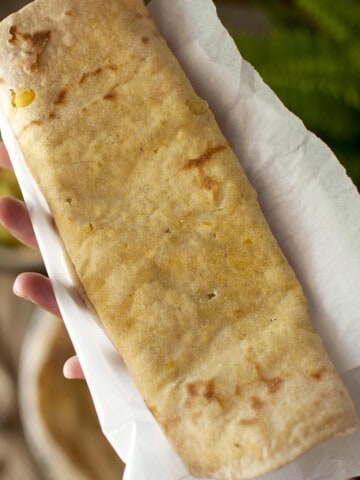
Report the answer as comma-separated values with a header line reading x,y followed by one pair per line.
x,y
58,416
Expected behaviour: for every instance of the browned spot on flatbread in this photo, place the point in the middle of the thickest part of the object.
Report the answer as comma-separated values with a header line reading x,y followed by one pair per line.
x,y
205,389
13,31
34,45
53,115
209,393
238,390
206,181
145,40
68,13
209,183
256,403
37,40
84,77
93,73
35,122
200,387
61,97
204,157
1,80
110,96
97,71
318,373
248,421
273,384
31,44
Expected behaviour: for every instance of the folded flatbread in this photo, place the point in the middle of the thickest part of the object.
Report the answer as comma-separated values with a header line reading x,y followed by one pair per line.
x,y
167,239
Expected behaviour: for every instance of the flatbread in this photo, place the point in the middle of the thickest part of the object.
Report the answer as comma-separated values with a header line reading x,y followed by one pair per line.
x,y
167,238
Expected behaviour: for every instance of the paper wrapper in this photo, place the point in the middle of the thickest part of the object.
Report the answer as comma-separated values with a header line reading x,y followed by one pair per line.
x,y
312,208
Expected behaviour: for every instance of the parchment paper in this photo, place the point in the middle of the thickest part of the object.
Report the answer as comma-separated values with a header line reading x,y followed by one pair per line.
x,y
313,210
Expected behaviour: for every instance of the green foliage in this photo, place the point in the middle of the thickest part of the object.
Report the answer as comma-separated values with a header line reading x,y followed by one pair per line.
x,y
311,59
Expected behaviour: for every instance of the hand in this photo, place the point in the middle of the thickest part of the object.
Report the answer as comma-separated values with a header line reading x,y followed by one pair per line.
x,y
32,286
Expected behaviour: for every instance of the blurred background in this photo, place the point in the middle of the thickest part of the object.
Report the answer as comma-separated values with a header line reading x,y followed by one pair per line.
x,y
309,53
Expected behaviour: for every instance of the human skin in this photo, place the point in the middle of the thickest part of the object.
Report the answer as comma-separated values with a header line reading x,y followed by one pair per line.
x,y
31,286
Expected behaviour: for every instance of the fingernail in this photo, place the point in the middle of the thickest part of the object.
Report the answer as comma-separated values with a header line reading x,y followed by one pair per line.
x,y
16,287
67,371
18,290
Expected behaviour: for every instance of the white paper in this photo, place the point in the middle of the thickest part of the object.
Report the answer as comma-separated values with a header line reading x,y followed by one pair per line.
x,y
290,168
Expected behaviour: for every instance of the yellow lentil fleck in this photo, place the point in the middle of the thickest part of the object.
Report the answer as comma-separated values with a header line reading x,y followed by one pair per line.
x,y
22,99
170,365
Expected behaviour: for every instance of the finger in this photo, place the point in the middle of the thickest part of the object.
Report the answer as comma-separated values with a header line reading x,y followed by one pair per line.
x,y
14,216
38,289
72,369
4,158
